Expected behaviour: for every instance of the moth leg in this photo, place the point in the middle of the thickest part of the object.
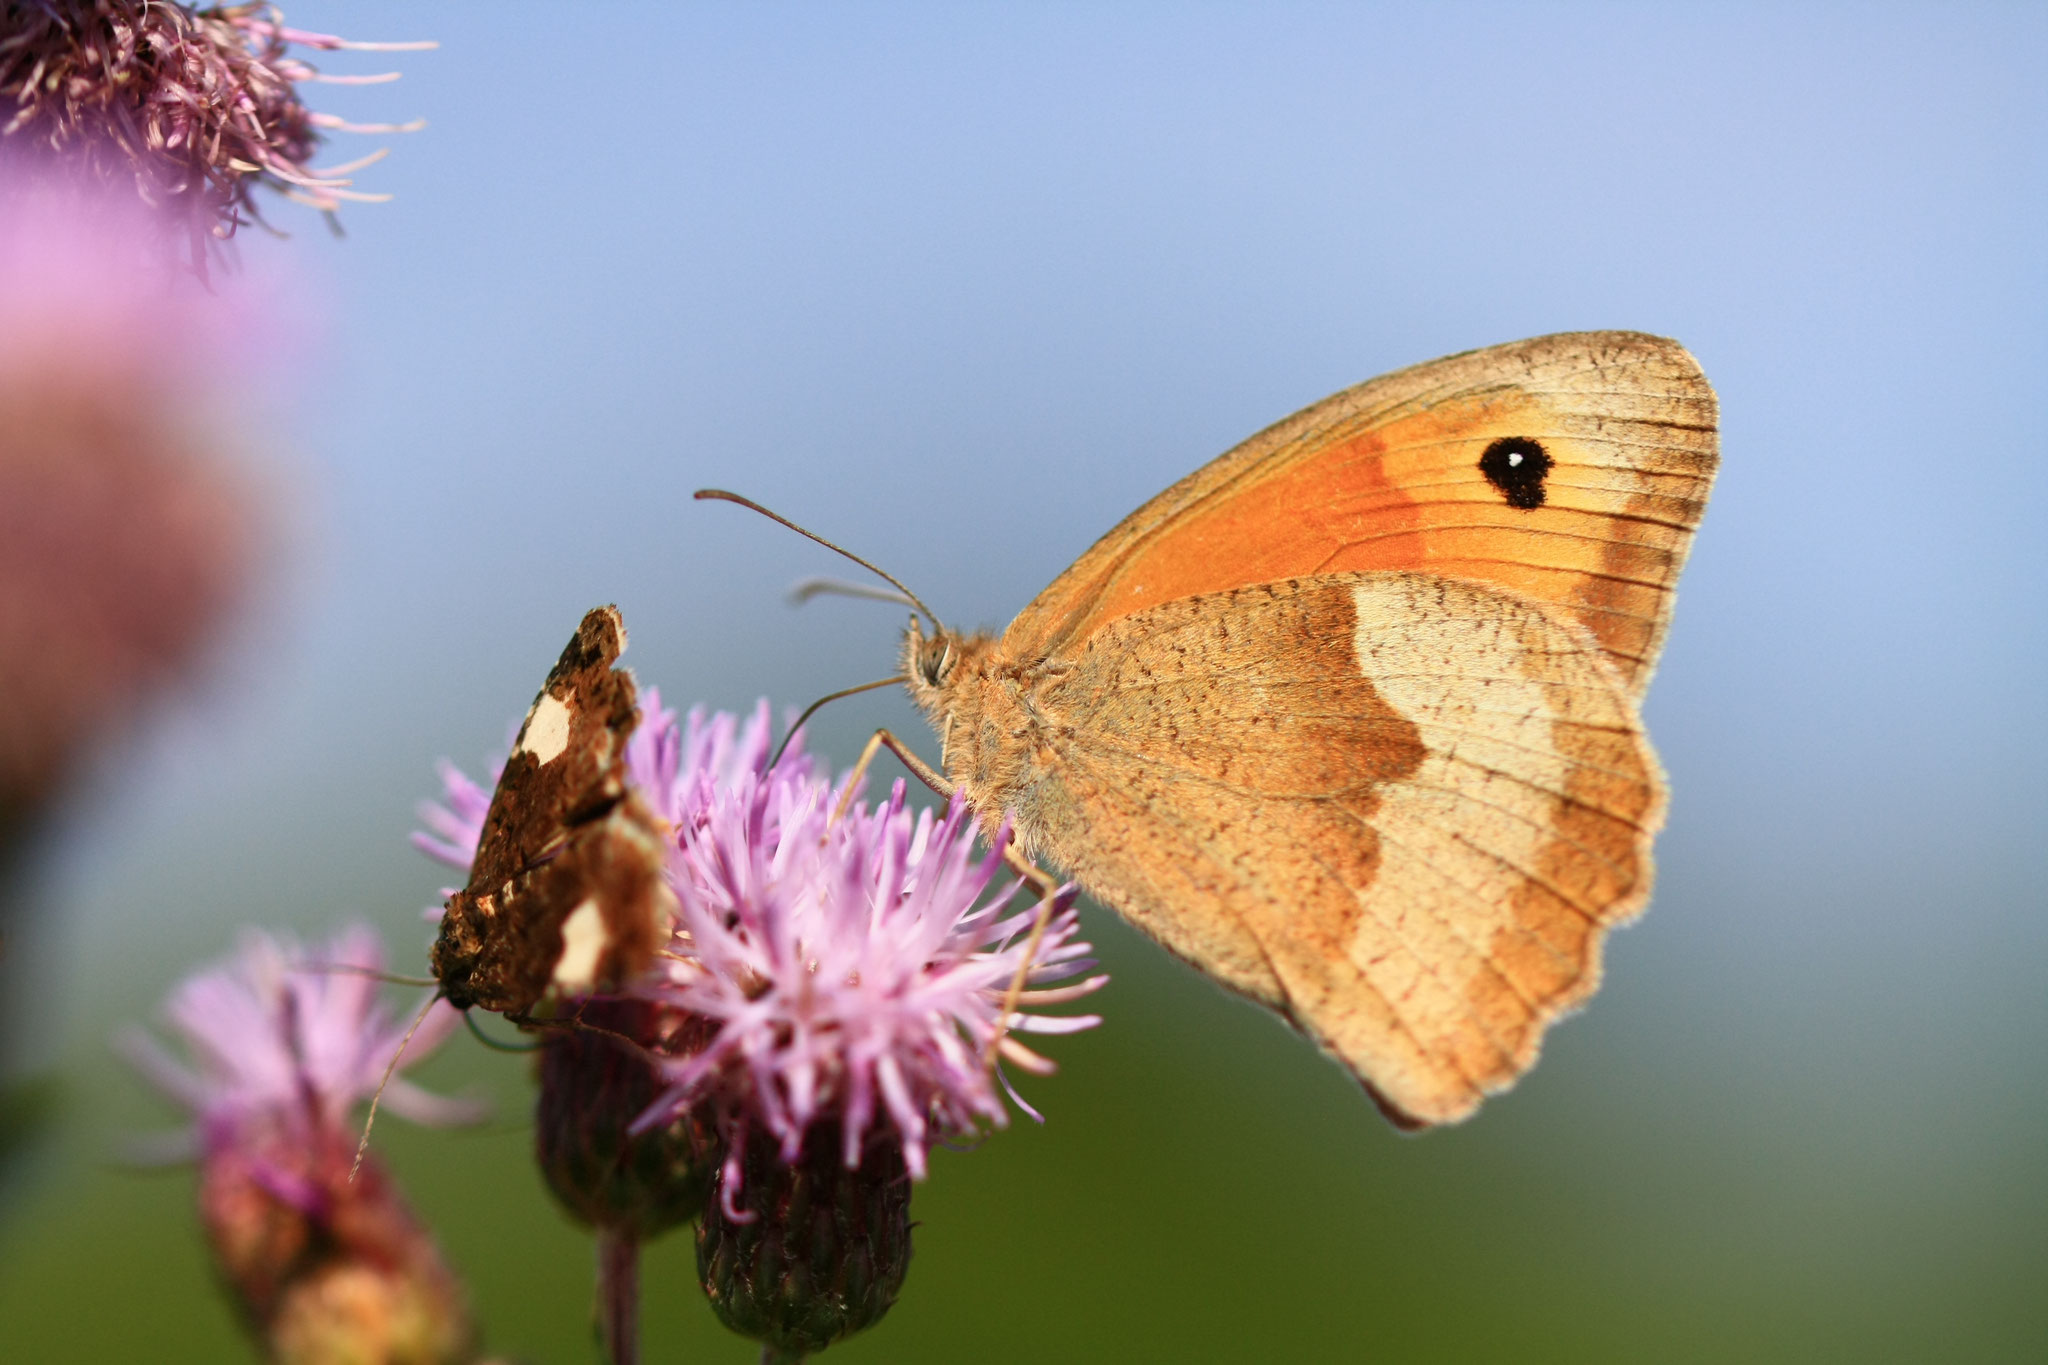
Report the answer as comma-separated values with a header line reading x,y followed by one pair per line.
x,y
370,1118
469,1020
576,1023
1039,879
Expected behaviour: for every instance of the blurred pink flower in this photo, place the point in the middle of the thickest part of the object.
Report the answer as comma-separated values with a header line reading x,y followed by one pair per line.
x,y
195,107
281,1044
125,537
455,823
324,1262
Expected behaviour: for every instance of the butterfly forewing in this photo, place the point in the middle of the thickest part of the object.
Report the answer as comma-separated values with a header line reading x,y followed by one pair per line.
x,y
1571,469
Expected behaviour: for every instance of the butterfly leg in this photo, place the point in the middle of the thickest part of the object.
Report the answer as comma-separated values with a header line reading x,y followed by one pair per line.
x,y
1048,892
1039,879
919,769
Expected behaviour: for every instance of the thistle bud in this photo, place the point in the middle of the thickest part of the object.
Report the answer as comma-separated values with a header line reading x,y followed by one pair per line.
x,y
324,1268
282,1045
819,1251
593,1083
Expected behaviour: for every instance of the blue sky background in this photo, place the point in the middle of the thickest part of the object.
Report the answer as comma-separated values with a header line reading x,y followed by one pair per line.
x,y
960,285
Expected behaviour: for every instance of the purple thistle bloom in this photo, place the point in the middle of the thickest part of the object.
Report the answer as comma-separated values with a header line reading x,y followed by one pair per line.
x,y
454,829
127,536
848,970
679,768
856,970
324,1261
279,1046
629,1180
196,106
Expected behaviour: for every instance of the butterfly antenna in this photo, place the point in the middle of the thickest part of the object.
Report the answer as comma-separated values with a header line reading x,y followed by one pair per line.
x,y
389,1067
720,495
804,589
810,710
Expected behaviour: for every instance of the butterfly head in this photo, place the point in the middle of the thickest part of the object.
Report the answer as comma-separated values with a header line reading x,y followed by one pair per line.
x,y
936,665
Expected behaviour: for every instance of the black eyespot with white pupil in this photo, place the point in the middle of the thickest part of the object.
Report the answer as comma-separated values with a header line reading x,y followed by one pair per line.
x,y
1516,466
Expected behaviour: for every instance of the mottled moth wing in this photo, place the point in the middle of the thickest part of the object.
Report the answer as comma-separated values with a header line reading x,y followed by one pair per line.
x,y
566,892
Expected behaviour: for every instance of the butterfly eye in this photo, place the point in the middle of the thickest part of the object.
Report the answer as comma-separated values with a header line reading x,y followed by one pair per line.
x,y
1516,465
937,661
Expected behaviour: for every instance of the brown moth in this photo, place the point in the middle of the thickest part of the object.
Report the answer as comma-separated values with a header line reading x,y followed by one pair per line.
x,y
566,896
1349,718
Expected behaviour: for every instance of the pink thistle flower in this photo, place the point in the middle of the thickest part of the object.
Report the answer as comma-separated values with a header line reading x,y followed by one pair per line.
x,y
125,535
282,1043
831,999
856,970
197,107
455,824
852,969
324,1262
678,768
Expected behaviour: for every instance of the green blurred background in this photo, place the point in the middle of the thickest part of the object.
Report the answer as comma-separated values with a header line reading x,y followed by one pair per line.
x,y
961,285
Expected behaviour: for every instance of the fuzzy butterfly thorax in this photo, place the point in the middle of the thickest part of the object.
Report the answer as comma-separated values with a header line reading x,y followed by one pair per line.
x,y
1349,717
958,681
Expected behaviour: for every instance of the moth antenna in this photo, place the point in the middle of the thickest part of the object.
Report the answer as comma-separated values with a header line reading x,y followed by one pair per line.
x,y
804,589
808,711
389,1067
720,495
351,969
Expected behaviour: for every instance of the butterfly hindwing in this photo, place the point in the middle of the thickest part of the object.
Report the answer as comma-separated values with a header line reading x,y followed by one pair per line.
x,y
1401,809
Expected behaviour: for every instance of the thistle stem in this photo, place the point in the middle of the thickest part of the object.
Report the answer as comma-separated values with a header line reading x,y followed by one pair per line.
x,y
772,1355
618,1295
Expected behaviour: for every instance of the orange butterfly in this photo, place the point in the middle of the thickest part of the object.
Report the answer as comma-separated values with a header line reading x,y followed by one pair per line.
x,y
1348,718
